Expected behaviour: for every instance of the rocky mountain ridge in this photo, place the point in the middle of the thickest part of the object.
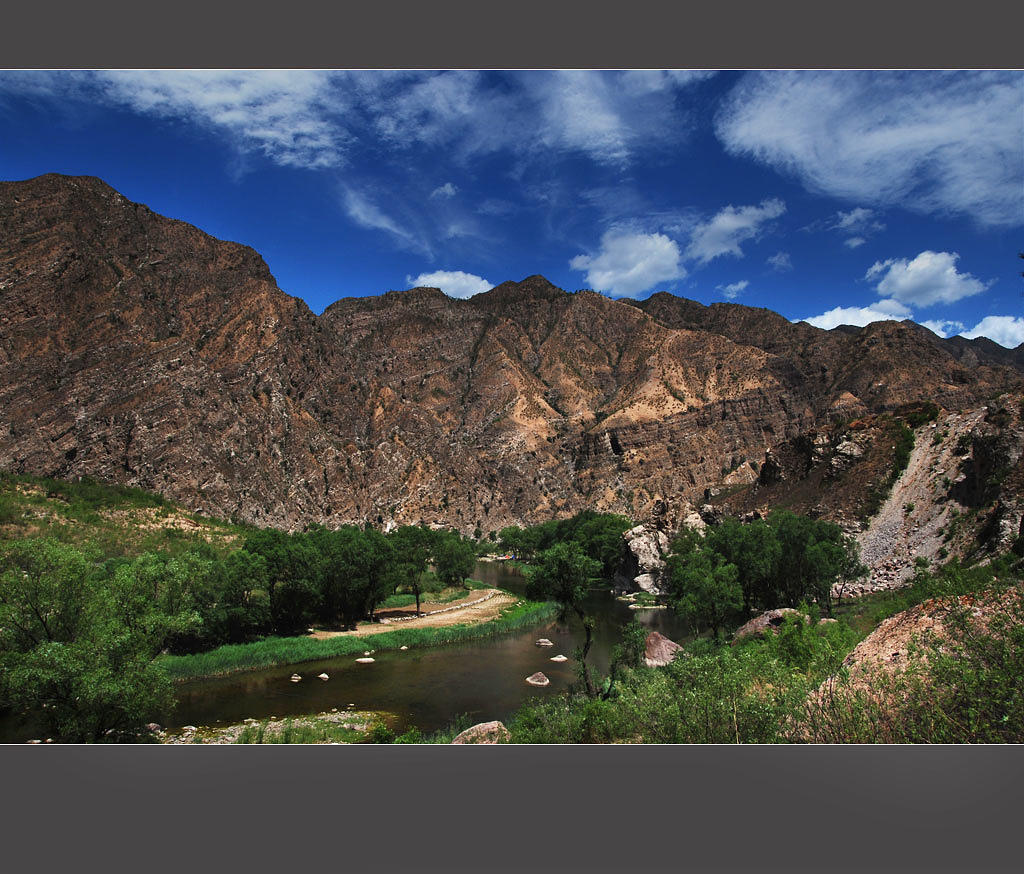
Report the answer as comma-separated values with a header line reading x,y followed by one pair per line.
x,y
138,349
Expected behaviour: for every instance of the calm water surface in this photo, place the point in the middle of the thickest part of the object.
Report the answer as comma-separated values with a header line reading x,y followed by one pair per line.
x,y
426,687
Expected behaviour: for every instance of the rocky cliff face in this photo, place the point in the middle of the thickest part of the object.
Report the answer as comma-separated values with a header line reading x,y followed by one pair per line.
x,y
139,349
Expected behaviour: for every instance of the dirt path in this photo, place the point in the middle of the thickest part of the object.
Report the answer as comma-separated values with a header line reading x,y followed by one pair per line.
x,y
896,535
481,606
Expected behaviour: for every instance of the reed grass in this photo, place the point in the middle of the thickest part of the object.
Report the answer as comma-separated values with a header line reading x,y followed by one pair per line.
x,y
275,651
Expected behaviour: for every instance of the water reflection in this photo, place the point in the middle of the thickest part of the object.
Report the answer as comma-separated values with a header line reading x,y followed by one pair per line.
x,y
426,687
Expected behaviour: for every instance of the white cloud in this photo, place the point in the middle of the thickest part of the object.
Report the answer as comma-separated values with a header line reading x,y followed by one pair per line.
x,y
630,263
854,242
607,115
934,142
289,116
647,81
881,311
857,221
454,283
733,225
497,207
943,327
446,190
364,212
732,290
929,279
781,261
1007,331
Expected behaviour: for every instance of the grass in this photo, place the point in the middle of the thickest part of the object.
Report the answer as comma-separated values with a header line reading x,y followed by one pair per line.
x,y
309,730
274,651
444,596
119,521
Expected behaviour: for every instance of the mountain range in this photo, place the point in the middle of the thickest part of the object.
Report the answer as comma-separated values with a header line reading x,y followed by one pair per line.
x,y
138,349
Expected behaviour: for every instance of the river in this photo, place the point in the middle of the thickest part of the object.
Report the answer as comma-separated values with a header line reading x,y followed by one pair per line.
x,y
427,687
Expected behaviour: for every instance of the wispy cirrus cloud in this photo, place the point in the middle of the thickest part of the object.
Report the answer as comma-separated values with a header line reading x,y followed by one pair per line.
x,y
733,289
292,118
312,119
730,228
362,209
936,143
446,190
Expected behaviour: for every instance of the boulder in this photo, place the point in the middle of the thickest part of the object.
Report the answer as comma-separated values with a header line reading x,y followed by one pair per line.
x,y
544,642
769,621
537,679
559,658
154,727
323,676
647,583
295,678
365,660
659,650
484,733
403,647
648,544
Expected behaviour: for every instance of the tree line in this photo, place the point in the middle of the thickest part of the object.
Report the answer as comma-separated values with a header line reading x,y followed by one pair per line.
x,y
80,632
736,569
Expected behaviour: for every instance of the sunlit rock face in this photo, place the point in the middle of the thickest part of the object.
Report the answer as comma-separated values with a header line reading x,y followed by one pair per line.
x,y
141,350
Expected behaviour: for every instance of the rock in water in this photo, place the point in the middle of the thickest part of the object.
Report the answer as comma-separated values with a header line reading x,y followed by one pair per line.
x,y
769,621
559,658
295,678
484,733
365,660
323,676
537,679
659,650
544,642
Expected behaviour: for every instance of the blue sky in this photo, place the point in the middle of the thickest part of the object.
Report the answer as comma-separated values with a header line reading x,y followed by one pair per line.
x,y
831,196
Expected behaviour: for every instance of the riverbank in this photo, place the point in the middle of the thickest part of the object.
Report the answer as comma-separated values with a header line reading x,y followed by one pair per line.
x,y
333,727
449,627
482,606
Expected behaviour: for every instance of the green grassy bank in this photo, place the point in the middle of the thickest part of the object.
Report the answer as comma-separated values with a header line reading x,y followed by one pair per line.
x,y
275,651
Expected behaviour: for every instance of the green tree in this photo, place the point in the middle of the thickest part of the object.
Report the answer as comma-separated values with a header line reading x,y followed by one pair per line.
x,y
351,575
702,586
77,646
564,573
814,556
453,557
599,536
412,547
293,569
754,550
244,598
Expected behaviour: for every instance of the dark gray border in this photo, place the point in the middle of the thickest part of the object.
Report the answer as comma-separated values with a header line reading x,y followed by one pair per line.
x,y
528,33
517,809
